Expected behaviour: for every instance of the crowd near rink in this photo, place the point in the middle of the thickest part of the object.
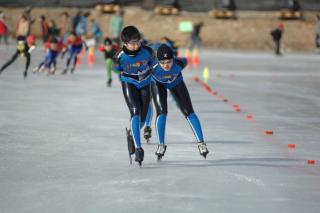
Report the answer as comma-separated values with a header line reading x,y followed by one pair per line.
x,y
66,131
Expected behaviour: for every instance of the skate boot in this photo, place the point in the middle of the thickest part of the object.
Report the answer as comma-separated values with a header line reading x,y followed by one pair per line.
x,y
147,133
52,71
36,69
109,82
72,70
42,68
139,156
203,149
64,71
131,147
25,74
160,151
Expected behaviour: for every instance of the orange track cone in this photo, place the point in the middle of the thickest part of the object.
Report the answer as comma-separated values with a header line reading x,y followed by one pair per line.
x,y
91,56
195,57
188,56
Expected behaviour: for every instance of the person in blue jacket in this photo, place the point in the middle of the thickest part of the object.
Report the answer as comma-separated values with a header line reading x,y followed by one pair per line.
x,y
134,62
167,75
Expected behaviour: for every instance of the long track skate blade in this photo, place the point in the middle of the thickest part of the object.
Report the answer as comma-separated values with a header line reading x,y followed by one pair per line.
x,y
205,155
130,158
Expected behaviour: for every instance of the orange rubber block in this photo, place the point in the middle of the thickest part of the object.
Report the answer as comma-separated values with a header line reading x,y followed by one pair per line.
x,y
268,132
237,109
291,146
207,87
249,117
196,79
214,93
311,162
235,106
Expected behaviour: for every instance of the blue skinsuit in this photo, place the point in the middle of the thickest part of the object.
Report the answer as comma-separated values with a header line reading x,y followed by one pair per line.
x,y
173,80
135,77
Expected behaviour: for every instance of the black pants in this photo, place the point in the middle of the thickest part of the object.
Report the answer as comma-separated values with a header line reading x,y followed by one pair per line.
x,y
137,100
277,46
180,94
14,57
318,40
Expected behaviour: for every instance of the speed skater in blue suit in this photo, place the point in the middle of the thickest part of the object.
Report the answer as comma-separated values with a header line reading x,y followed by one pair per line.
x,y
134,62
167,75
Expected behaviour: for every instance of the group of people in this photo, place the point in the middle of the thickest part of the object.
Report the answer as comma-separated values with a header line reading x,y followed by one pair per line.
x,y
69,37
147,75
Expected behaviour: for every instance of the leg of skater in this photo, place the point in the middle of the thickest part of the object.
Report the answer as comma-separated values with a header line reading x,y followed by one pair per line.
x,y
132,98
12,59
159,95
109,71
181,94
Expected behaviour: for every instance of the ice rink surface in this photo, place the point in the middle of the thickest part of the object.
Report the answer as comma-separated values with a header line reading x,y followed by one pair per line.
x,y
63,145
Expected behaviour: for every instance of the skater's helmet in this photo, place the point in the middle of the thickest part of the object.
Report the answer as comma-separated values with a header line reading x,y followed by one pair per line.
x,y
164,52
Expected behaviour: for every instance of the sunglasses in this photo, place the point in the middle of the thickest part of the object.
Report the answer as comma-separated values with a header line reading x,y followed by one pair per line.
x,y
163,62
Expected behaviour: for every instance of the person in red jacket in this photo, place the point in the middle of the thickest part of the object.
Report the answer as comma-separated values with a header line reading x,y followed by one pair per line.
x,y
3,29
74,44
53,47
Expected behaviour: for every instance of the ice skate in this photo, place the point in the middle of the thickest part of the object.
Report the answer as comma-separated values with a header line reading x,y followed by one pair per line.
x,y
64,71
131,147
109,82
203,149
160,151
51,71
72,70
42,68
36,69
25,74
139,156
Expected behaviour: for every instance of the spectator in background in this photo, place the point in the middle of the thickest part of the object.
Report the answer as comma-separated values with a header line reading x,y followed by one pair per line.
x,y
4,31
195,36
81,28
53,30
66,26
44,28
96,32
116,25
27,13
23,26
75,20
276,36
318,33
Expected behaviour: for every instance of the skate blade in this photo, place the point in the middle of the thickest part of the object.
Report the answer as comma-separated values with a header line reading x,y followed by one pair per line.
x,y
205,155
147,137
